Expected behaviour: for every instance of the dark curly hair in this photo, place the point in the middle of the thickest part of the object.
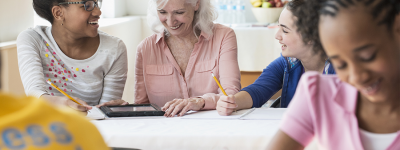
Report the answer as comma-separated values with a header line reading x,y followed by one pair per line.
x,y
43,8
308,15
293,6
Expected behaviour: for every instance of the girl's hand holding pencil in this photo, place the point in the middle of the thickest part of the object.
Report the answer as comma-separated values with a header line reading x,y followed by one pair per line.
x,y
65,101
73,102
226,105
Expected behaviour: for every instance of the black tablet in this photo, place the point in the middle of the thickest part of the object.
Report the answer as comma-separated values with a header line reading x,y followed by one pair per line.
x,y
132,110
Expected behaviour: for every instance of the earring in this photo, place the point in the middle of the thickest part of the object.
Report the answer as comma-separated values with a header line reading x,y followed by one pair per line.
x,y
62,23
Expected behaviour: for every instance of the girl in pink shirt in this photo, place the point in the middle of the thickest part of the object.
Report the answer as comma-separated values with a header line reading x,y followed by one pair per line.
x,y
360,107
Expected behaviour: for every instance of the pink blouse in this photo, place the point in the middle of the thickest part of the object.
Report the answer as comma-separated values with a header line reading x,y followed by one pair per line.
x,y
158,77
324,108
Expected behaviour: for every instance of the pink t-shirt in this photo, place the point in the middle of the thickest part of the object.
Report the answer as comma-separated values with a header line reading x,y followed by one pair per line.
x,y
159,78
324,107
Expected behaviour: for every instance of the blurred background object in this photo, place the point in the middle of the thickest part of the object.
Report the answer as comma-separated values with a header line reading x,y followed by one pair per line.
x,y
231,11
267,15
267,11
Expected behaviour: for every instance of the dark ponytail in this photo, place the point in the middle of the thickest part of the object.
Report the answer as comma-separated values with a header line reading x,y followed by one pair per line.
x,y
43,8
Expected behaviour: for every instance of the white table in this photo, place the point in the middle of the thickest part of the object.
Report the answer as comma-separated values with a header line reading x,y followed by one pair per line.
x,y
177,133
188,134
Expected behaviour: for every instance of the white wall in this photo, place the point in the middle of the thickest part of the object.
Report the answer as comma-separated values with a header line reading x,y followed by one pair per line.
x,y
120,8
15,16
114,8
136,7
249,14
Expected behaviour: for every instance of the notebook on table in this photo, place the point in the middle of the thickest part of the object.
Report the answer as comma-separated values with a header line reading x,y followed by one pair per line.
x,y
95,114
264,114
213,114
246,114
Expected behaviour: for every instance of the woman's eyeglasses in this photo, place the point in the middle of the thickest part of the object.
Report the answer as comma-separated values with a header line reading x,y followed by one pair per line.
x,y
89,5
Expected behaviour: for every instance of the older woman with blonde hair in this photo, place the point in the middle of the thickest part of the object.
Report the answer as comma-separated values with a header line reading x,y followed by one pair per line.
x,y
174,65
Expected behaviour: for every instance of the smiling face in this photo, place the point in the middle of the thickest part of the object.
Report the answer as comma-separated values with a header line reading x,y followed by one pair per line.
x,y
177,17
81,22
289,38
364,54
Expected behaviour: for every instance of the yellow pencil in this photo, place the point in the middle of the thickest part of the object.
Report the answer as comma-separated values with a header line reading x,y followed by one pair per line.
x,y
55,86
216,80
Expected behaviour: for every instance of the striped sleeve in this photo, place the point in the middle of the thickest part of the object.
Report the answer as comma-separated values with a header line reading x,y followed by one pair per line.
x,y
114,80
30,63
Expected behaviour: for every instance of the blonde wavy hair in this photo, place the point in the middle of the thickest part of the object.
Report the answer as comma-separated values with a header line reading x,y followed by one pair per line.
x,y
203,17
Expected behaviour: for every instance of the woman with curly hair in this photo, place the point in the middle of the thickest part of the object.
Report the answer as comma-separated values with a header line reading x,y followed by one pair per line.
x,y
360,107
284,72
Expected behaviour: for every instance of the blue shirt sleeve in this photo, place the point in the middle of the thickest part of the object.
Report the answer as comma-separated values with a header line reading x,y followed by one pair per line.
x,y
331,70
269,82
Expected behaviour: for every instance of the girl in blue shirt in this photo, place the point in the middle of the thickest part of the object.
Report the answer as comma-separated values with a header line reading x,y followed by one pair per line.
x,y
298,56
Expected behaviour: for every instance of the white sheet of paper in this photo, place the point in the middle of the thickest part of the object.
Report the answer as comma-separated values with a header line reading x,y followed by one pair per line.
x,y
265,114
213,114
95,114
